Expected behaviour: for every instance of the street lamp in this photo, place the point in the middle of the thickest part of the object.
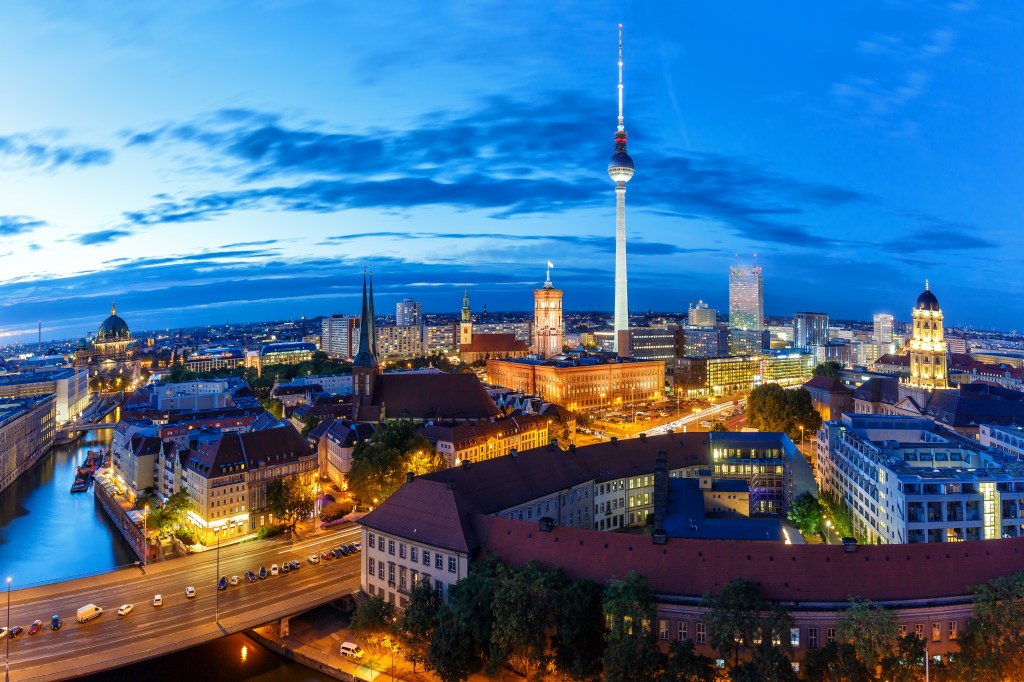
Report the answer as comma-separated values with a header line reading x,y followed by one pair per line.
x,y
7,656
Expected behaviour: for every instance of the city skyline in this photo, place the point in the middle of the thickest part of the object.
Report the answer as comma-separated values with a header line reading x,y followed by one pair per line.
x,y
244,173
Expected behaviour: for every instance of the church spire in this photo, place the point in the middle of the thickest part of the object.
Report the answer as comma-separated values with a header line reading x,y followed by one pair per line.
x,y
366,357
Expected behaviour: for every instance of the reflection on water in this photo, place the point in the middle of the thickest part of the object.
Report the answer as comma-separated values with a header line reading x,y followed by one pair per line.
x,y
231,659
49,534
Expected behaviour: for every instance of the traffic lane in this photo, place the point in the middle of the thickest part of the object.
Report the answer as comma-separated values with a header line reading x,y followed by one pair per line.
x,y
177,614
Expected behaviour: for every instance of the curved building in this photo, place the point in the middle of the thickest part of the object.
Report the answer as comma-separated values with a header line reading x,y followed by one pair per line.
x,y
110,356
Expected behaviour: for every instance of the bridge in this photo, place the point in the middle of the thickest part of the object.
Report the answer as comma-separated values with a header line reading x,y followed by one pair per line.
x,y
80,428
110,641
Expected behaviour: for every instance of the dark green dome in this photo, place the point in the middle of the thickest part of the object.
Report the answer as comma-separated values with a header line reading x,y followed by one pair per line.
x,y
113,328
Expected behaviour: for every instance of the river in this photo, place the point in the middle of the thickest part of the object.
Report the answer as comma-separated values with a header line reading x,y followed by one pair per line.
x,y
48,534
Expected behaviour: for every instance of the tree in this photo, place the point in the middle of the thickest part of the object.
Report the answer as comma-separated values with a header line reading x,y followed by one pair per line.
x,y
419,622
380,464
470,599
453,655
579,634
836,662
805,514
872,629
374,620
906,663
524,609
838,512
177,508
769,663
717,426
991,645
829,368
631,652
773,408
686,665
740,617
289,500
310,423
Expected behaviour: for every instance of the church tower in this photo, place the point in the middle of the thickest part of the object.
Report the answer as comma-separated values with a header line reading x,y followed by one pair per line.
x,y
927,345
466,326
364,367
547,319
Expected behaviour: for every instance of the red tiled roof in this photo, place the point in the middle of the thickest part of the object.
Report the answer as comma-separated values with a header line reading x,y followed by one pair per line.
x,y
828,385
891,359
426,511
432,396
493,343
481,431
787,573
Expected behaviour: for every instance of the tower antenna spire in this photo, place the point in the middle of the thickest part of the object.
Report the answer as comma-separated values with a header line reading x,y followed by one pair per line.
x,y
622,127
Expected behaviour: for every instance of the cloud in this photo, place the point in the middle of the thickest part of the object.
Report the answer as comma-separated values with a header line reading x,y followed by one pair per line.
x,y
45,152
933,235
100,237
11,225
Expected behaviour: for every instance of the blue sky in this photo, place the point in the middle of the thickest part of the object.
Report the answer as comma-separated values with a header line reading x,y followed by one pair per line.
x,y
204,161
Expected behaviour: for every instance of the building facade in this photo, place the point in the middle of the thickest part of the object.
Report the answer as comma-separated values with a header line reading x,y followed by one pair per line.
x,y
700,315
27,430
339,336
210,359
810,329
460,443
70,388
110,357
408,313
399,342
705,342
883,328
928,352
547,319
652,343
283,353
746,298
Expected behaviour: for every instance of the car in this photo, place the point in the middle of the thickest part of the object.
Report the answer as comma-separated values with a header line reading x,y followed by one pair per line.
x,y
357,545
190,592
353,548
313,559
55,623
263,572
3,632
335,553
222,584
326,554
274,570
234,580
294,564
15,631
36,626
250,576
125,609
351,649
158,600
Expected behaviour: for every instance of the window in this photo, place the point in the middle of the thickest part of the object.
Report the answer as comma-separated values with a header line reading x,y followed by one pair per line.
x,y
952,630
373,540
812,638
903,631
414,554
401,578
372,567
720,663
380,570
702,633
936,632
683,630
919,631
451,564
401,550
380,542
391,572
794,637
439,586
438,561
663,629
426,557
830,635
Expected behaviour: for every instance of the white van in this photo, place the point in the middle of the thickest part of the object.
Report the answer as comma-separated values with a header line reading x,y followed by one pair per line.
x,y
351,649
88,612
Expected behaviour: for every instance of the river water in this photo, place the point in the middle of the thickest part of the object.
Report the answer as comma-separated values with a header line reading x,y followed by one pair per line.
x,y
48,534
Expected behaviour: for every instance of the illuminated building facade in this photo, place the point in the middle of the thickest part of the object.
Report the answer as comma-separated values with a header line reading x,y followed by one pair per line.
x,y
284,353
209,359
110,357
810,329
547,319
694,377
339,336
27,429
408,313
701,315
746,297
883,327
927,348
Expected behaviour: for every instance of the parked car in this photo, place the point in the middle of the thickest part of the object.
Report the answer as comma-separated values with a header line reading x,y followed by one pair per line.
x,y
125,609
313,559
190,592
357,545
158,600
353,548
15,631
294,564
36,626
234,580
326,554
250,576
286,566
351,649
55,623
222,584
263,572
3,632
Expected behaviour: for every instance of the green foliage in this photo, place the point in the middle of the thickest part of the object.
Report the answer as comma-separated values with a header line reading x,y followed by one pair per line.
x,y
718,426
773,408
768,663
579,638
471,600
740,617
631,652
871,628
829,368
186,535
906,662
333,512
273,406
309,424
453,655
836,662
991,646
176,509
270,531
418,623
684,664
839,513
805,514
374,621
524,608
289,500
379,465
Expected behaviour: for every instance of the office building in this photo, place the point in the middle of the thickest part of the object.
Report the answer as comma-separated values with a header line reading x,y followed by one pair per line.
x,y
699,377
906,480
700,315
547,319
400,342
70,388
748,341
339,336
810,329
883,328
1009,439
705,342
746,298
27,430
652,343
408,313
281,353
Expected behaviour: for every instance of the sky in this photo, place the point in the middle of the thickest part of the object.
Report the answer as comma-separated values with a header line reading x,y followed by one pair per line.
x,y
210,161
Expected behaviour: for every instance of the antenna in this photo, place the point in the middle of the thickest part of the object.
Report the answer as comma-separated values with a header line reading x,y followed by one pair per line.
x,y
621,126
40,337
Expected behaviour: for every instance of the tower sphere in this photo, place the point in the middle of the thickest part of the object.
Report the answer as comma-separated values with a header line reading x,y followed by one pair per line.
x,y
620,166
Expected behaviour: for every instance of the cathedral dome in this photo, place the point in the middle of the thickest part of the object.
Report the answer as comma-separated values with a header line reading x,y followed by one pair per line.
x,y
113,328
927,300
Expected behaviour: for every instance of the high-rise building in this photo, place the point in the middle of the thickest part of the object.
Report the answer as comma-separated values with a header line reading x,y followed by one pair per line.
x,y
746,297
338,336
927,347
547,319
620,170
701,315
810,329
883,327
408,313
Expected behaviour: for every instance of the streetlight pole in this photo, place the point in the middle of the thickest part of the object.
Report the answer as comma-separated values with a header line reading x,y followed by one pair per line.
x,y
216,612
7,656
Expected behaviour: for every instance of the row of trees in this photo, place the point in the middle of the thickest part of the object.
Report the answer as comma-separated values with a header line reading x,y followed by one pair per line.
x,y
537,621
262,383
380,464
773,408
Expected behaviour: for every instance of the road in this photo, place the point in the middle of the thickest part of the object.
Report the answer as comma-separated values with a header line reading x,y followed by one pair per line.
x,y
709,413
180,622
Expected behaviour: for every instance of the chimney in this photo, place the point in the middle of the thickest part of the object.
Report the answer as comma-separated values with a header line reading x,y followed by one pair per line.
x,y
659,536
546,524
409,475
465,464
849,544
660,488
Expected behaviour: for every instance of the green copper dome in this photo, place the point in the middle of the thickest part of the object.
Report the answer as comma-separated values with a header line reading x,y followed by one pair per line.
x,y
113,328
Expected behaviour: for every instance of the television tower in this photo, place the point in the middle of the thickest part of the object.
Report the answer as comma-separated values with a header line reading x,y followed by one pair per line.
x,y
620,170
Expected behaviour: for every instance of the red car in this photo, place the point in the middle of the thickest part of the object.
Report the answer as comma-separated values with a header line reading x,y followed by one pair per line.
x,y
326,554
36,626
